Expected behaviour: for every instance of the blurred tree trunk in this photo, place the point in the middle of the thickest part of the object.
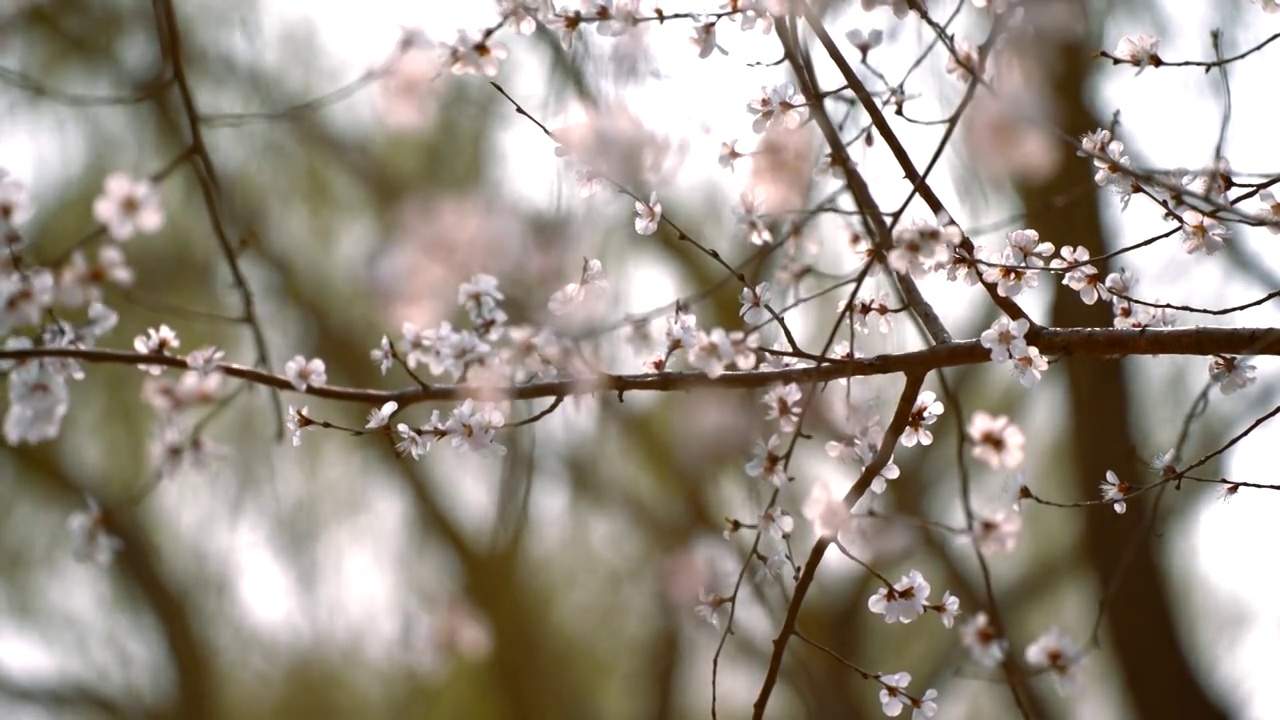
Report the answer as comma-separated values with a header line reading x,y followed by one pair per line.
x,y
1143,632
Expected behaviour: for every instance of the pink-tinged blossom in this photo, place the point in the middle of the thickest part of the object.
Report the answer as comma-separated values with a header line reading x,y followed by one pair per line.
x,y
704,38
1058,654
648,215
996,440
1231,373
966,61
981,638
1271,212
825,510
997,533
1139,50
709,606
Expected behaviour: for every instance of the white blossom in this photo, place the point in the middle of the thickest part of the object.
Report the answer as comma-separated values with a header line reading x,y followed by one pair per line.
x,y
474,425
1029,367
648,215
682,330
925,707
1055,652
904,602
729,154
776,522
24,298
1270,215
709,605
753,301
480,297
996,440
90,540
1139,50
128,206
156,341
783,404
865,42
16,208
925,413
825,510
948,609
1201,234
303,373
1231,373
918,247
780,106
1084,279
296,421
891,694
1114,491
38,401
766,462
704,38
1006,338
593,279
383,355
412,442
81,282
379,416
983,642
750,214
997,533
476,56
205,360
863,308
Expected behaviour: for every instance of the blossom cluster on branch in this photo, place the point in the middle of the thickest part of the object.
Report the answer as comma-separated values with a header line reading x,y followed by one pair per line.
x,y
484,364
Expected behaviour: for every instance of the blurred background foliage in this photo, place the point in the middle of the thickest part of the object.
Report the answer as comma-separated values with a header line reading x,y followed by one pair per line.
x,y
336,580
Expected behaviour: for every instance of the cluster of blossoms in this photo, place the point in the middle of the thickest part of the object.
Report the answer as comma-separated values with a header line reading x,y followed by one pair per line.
x,y
33,302
715,351
908,598
893,697
471,426
491,350
32,298
1006,339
